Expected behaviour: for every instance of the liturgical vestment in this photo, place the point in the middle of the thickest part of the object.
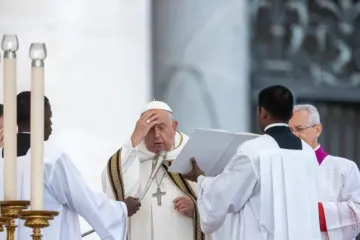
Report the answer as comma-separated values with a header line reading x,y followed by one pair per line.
x,y
266,192
65,191
127,173
339,194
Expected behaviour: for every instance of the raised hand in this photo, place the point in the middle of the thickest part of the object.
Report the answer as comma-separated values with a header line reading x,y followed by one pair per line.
x,y
133,205
143,125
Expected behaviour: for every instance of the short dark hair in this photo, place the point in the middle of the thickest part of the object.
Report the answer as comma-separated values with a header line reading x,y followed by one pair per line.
x,y
23,107
1,110
278,101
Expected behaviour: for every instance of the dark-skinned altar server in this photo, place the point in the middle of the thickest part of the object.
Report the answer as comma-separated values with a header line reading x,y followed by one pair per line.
x,y
268,189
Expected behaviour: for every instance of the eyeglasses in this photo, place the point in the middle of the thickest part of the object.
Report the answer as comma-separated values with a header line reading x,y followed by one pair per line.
x,y
301,129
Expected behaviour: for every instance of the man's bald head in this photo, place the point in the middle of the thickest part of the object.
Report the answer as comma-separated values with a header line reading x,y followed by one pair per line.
x,y
162,135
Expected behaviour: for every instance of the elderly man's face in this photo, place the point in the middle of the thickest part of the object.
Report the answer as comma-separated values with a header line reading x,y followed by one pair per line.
x,y
301,126
162,135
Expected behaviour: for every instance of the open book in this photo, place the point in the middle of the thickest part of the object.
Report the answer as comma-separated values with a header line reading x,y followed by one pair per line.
x,y
212,149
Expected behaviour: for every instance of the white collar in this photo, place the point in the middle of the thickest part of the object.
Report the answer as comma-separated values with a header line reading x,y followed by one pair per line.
x,y
24,132
276,125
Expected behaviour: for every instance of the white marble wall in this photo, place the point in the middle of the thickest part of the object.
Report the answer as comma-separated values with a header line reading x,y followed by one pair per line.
x,y
201,61
97,71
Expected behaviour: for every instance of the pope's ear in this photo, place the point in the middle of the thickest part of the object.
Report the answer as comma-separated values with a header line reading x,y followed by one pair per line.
x,y
175,125
318,129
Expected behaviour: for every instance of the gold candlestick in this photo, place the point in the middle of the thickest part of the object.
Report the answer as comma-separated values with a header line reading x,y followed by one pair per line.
x,y
37,219
2,226
3,221
11,210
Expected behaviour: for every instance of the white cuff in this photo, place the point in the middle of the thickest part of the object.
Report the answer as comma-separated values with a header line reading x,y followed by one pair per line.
x,y
124,207
200,179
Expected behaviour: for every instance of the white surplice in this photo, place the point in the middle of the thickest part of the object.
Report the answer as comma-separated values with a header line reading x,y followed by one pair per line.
x,y
65,191
152,222
339,192
264,193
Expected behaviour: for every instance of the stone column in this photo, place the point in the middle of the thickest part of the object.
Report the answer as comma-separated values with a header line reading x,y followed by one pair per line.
x,y
201,62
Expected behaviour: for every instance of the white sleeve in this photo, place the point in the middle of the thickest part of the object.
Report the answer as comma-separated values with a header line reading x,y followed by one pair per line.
x,y
219,196
128,156
107,217
343,217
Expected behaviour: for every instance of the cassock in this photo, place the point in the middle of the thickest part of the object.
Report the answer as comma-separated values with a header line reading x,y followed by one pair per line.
x,y
127,173
266,192
339,194
65,191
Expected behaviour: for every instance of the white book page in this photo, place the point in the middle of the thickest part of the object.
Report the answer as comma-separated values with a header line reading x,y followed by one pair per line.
x,y
212,149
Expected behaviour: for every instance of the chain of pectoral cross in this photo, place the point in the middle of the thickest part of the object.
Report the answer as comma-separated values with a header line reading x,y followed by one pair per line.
x,y
158,194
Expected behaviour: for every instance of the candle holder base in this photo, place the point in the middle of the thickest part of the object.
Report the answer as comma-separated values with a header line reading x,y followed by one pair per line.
x,y
37,220
11,210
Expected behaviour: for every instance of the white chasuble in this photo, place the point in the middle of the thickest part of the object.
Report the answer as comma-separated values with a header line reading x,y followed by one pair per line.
x,y
264,193
339,187
126,175
65,191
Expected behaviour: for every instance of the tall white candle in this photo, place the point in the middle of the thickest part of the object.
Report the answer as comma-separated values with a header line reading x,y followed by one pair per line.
x,y
10,45
38,55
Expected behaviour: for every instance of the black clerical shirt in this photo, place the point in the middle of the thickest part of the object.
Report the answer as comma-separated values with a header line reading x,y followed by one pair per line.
x,y
283,136
23,144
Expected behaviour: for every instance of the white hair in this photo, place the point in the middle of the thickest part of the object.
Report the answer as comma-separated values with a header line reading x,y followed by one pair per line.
x,y
314,116
171,116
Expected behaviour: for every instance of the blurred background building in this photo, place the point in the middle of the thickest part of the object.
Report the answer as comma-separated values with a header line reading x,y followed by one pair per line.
x,y
201,62
212,58
313,47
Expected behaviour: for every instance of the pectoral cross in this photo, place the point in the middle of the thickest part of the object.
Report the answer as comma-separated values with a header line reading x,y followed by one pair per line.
x,y
158,195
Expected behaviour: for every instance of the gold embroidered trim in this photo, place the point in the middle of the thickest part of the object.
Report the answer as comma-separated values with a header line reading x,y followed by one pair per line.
x,y
115,176
181,140
117,185
116,180
186,188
